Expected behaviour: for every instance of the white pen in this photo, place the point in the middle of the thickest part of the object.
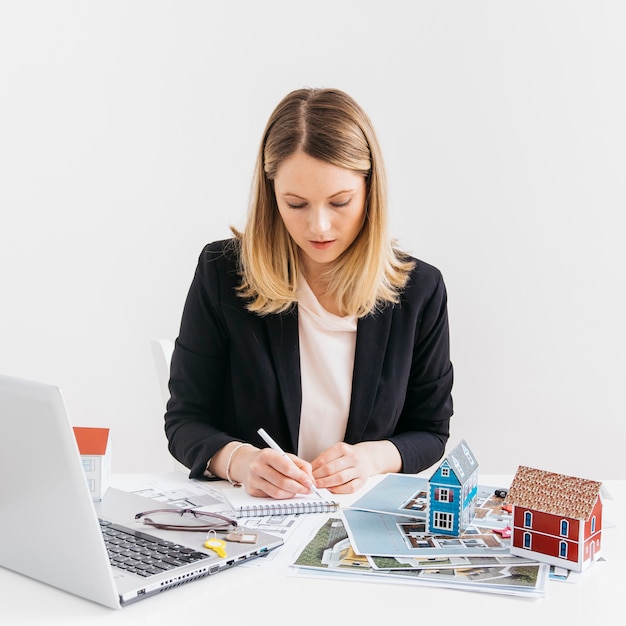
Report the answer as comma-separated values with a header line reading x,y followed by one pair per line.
x,y
272,444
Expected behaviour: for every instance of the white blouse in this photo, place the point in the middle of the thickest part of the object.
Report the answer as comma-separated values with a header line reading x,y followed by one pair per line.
x,y
327,346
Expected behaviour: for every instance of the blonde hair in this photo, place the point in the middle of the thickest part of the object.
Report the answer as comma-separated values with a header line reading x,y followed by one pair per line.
x,y
326,124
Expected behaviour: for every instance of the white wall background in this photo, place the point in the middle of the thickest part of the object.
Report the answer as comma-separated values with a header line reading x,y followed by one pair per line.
x,y
128,132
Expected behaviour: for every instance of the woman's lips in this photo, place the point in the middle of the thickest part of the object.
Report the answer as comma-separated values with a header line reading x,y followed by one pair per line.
x,y
322,245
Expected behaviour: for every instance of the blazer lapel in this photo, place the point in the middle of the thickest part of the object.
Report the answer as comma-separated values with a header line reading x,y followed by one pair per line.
x,y
285,346
371,344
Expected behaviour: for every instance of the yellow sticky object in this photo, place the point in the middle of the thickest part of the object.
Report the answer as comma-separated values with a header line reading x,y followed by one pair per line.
x,y
217,545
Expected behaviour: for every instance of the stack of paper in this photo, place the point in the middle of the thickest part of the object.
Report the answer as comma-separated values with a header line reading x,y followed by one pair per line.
x,y
383,535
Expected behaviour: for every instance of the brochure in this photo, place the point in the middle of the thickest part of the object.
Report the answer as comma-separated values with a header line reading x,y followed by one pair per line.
x,y
330,551
390,520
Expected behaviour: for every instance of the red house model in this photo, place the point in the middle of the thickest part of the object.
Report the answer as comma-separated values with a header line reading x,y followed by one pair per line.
x,y
95,453
557,519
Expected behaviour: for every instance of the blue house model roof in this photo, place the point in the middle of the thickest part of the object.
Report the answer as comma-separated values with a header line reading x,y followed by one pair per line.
x,y
461,461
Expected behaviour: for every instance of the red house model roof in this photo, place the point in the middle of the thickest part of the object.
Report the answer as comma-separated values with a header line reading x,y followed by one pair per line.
x,y
553,493
92,441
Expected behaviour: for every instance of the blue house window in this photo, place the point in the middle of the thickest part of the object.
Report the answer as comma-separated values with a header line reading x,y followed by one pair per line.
x,y
528,519
564,528
444,495
593,524
563,549
528,543
443,521
445,472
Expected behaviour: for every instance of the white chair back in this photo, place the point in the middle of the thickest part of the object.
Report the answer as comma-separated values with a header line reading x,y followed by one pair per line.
x,y
162,352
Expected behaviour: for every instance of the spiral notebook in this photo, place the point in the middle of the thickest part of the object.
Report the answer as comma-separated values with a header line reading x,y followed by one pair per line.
x,y
245,505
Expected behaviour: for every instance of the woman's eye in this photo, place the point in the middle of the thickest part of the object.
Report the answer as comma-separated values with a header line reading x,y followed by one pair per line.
x,y
336,204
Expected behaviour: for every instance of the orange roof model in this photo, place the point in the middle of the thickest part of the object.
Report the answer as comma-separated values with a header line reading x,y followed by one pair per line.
x,y
92,441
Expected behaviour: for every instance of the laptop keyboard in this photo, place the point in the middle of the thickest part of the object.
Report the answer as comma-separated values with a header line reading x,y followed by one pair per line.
x,y
142,554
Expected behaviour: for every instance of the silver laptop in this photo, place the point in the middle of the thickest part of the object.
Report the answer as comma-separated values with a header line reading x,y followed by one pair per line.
x,y
51,530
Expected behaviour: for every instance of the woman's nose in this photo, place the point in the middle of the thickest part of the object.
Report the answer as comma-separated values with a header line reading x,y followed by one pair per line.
x,y
319,221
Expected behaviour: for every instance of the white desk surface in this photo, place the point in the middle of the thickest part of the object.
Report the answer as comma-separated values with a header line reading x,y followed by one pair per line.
x,y
264,595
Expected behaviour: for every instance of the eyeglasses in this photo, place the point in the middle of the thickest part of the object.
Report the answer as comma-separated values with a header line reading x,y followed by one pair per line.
x,y
192,520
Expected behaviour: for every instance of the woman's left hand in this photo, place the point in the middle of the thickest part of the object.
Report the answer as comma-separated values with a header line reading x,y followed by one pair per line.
x,y
345,468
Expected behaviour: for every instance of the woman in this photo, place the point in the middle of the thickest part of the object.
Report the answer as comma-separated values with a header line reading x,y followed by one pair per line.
x,y
311,324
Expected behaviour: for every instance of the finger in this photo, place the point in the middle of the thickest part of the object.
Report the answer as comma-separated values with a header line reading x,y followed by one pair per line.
x,y
264,489
349,487
272,484
280,476
333,461
331,479
302,465
297,469
334,453
346,480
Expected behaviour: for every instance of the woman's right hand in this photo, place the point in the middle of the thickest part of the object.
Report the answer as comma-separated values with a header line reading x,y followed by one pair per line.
x,y
267,473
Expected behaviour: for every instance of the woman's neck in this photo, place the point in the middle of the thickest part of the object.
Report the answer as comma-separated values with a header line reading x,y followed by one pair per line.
x,y
319,287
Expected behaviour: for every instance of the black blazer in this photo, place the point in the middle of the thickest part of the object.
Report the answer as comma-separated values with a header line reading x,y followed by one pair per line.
x,y
234,372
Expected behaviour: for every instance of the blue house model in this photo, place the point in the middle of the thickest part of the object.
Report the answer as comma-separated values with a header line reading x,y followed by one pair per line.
x,y
453,489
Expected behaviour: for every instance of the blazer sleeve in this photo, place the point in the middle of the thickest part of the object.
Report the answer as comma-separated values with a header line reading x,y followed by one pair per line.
x,y
194,421
424,424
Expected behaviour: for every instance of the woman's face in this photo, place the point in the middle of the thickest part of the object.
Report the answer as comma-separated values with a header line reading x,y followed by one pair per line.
x,y
322,207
